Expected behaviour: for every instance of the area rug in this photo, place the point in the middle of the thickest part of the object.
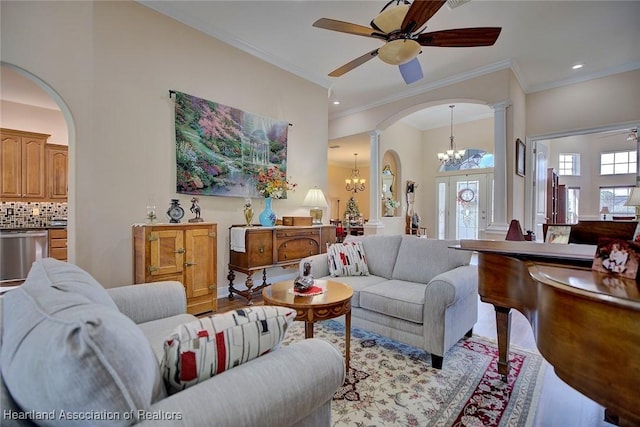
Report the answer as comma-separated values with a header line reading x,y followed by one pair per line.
x,y
393,384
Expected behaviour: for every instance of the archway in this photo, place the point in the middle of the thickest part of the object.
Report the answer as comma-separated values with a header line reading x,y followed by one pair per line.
x,y
36,83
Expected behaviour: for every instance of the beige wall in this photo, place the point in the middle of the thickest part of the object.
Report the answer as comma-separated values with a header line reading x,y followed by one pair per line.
x,y
601,102
113,64
34,119
595,103
336,191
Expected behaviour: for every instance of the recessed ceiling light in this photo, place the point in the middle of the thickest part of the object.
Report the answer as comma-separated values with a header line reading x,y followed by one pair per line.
x,y
336,102
576,67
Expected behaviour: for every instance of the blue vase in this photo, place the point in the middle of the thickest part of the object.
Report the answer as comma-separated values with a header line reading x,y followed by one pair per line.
x,y
267,216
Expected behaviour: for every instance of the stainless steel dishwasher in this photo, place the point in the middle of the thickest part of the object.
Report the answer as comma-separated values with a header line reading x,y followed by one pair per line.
x,y
18,250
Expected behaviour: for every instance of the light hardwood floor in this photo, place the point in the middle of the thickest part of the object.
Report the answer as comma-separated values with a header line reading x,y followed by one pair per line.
x,y
559,404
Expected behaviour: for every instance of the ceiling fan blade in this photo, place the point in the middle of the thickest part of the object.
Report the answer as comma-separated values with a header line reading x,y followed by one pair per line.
x,y
347,27
419,13
461,37
411,71
353,64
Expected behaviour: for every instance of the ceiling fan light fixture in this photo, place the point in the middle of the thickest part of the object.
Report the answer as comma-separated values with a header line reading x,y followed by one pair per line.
x,y
390,19
399,51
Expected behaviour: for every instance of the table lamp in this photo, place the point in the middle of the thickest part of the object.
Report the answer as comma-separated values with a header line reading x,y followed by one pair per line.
x,y
316,201
634,199
604,212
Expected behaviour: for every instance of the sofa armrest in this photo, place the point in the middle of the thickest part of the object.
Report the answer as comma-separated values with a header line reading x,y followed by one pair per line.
x,y
319,266
451,286
150,301
277,389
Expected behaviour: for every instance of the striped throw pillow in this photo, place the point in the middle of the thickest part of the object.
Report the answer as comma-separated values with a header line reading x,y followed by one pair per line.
x,y
200,349
347,259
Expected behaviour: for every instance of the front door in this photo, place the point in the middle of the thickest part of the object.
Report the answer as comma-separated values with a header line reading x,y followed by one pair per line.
x,y
464,205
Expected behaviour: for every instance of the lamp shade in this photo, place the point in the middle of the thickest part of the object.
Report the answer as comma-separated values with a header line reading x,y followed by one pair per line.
x,y
634,197
315,199
604,210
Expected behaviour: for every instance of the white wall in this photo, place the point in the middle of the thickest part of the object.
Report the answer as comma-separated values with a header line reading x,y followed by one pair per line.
x,y
113,64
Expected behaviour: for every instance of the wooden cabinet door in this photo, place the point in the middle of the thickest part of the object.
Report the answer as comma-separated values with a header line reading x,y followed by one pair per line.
x,y
57,171
166,252
11,163
33,170
200,262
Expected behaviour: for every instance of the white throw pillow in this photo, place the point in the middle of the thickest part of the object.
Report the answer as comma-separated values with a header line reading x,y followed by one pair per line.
x,y
347,259
200,349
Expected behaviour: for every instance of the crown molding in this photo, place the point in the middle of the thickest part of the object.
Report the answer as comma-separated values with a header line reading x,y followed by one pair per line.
x,y
427,87
583,78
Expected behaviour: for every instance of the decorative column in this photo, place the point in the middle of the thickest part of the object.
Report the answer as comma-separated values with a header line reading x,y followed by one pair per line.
x,y
499,224
375,204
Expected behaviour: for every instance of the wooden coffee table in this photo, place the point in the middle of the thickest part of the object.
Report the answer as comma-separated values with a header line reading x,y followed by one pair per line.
x,y
334,302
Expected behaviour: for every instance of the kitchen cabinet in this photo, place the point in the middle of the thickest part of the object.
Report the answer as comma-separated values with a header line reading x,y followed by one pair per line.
x,y
58,243
182,252
282,246
57,171
22,157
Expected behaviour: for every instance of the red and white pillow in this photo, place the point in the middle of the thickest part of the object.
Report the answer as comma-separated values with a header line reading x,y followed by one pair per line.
x,y
209,346
347,259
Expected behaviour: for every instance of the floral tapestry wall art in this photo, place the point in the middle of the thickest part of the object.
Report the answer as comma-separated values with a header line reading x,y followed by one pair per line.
x,y
220,150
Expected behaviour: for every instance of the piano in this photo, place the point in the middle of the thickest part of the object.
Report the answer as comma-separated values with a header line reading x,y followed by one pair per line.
x,y
586,324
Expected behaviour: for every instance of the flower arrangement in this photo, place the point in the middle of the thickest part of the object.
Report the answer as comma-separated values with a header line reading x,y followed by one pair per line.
x,y
390,203
273,183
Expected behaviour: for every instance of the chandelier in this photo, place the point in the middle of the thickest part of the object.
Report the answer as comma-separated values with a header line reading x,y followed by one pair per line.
x,y
355,183
451,157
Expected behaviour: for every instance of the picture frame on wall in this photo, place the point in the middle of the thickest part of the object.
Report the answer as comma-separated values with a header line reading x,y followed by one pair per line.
x,y
520,157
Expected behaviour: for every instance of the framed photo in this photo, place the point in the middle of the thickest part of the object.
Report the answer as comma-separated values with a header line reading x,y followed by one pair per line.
x,y
617,257
520,157
558,234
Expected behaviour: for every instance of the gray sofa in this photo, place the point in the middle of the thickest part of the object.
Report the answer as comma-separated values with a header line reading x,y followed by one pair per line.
x,y
419,291
74,353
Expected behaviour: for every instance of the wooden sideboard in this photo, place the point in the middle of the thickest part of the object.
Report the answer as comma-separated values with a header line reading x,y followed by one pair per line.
x,y
266,247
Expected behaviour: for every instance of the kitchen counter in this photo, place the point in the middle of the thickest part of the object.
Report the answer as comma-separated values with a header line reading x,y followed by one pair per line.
x,y
48,227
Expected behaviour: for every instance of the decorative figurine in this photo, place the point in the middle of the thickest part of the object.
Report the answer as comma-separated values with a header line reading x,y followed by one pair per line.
x,y
248,212
195,209
304,282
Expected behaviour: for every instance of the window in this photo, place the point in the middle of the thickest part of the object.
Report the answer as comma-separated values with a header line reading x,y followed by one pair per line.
x,y
614,199
569,164
573,204
619,162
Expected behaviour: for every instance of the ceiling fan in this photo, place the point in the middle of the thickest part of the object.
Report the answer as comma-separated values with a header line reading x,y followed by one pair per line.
x,y
631,134
402,27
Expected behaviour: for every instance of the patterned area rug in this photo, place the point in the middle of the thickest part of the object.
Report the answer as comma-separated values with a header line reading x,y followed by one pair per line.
x,y
392,384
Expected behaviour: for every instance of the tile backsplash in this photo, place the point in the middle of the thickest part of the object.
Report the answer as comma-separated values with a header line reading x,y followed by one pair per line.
x,y
30,214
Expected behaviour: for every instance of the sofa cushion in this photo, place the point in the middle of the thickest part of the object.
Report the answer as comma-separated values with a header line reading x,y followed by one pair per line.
x,y
347,259
381,251
209,346
357,283
395,298
66,277
420,260
62,351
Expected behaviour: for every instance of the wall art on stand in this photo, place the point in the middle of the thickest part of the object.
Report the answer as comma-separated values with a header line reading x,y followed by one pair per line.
x,y
220,149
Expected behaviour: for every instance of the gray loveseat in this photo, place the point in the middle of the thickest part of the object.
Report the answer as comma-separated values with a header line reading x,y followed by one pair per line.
x,y
74,353
419,291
